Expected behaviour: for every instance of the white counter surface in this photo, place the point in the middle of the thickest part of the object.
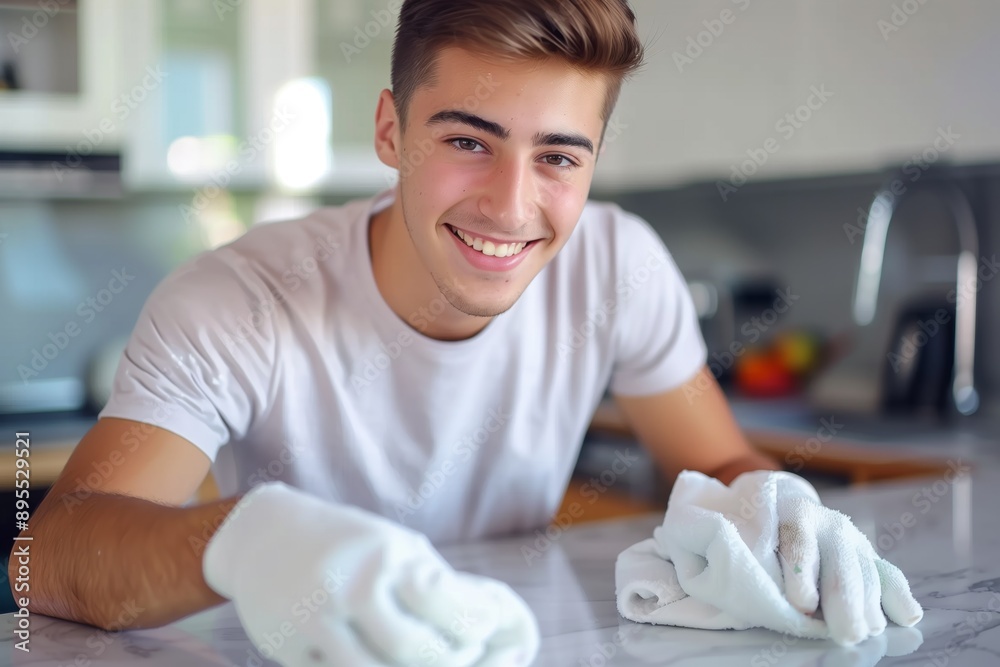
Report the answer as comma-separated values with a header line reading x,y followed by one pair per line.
x,y
950,552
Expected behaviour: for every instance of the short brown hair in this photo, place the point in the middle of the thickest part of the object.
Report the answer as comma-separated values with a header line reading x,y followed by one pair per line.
x,y
592,35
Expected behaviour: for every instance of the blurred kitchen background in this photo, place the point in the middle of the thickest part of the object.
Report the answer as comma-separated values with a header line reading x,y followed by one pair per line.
x,y
826,174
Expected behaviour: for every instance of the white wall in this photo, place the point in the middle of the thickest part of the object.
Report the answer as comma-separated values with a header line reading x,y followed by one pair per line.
x,y
895,79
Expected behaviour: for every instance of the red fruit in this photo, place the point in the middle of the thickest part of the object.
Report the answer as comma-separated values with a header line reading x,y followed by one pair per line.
x,y
763,375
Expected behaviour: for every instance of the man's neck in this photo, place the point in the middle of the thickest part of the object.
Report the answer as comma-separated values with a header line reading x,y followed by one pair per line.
x,y
407,287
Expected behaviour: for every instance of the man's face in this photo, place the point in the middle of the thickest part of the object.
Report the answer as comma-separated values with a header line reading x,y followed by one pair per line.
x,y
499,156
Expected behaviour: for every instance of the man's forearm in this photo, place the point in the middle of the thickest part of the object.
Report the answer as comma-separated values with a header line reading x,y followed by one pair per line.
x,y
120,562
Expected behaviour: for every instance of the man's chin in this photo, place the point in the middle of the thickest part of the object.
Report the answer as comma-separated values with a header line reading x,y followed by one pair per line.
x,y
479,297
482,307
478,303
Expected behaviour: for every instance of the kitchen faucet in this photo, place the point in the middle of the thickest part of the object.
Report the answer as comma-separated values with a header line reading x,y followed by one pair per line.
x,y
880,214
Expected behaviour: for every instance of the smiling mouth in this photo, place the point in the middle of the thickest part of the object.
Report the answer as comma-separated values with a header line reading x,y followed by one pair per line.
x,y
490,248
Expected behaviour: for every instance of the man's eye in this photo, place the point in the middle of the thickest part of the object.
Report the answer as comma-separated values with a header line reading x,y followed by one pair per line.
x,y
465,144
558,161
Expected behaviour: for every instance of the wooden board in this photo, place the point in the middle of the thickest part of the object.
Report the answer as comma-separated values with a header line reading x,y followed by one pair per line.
x,y
854,461
857,463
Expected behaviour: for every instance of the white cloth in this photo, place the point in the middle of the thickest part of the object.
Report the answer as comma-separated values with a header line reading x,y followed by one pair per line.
x,y
651,645
321,584
715,563
277,356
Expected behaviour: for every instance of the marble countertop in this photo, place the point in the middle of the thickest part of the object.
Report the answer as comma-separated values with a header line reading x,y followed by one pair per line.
x,y
945,535
976,437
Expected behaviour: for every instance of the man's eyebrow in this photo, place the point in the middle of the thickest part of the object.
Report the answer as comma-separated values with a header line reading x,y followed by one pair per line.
x,y
487,126
559,139
502,133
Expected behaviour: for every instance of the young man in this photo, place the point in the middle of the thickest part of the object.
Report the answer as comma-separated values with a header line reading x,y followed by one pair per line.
x,y
424,363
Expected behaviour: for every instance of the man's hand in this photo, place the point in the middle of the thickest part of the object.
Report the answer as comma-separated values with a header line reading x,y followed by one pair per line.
x,y
692,428
319,584
826,560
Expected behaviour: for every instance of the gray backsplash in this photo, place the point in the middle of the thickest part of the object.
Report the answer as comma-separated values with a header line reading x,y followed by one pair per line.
x,y
796,228
74,276
56,255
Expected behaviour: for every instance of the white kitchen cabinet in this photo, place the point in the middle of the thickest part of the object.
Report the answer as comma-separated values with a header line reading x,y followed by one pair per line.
x,y
693,109
904,70
895,76
722,77
91,120
199,110
260,95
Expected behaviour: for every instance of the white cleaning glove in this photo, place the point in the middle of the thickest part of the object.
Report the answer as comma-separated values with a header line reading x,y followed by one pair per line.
x,y
319,584
825,560
761,552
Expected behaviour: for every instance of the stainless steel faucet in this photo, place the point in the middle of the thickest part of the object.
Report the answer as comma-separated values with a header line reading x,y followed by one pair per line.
x,y
880,214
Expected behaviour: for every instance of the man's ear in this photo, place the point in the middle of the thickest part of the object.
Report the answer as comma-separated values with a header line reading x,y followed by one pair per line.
x,y
387,130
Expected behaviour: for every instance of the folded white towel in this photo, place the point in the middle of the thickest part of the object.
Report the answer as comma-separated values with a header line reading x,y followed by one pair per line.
x,y
713,564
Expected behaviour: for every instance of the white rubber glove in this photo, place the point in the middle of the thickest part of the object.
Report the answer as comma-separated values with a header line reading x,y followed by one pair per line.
x,y
826,560
319,584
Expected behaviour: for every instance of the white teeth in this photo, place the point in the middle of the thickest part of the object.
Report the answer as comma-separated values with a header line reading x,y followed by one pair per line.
x,y
488,247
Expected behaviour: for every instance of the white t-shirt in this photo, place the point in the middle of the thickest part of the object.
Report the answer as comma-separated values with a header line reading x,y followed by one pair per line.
x,y
277,356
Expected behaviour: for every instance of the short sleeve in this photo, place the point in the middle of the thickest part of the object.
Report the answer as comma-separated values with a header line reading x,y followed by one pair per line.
x,y
199,358
658,341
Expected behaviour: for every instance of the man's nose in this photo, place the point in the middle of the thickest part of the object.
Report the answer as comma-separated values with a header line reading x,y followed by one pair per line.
x,y
510,197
